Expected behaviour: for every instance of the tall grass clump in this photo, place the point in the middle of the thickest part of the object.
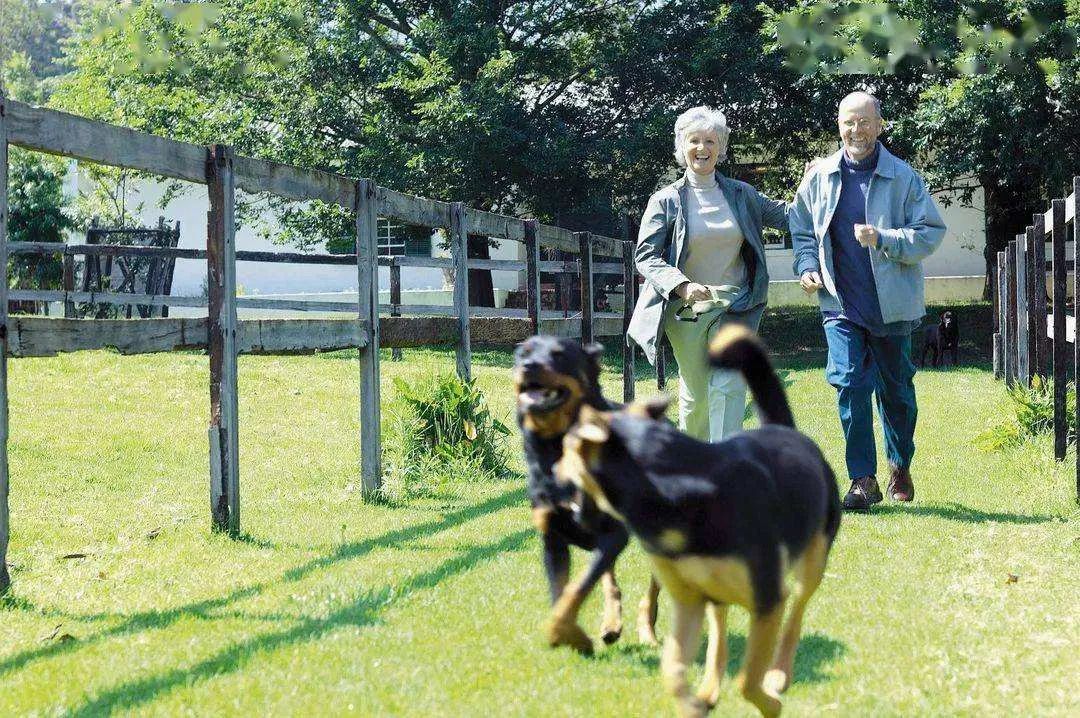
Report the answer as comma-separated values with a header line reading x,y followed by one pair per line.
x,y
1029,413
447,433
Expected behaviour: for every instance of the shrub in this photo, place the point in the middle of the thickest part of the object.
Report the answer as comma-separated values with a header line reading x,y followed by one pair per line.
x,y
447,434
1030,413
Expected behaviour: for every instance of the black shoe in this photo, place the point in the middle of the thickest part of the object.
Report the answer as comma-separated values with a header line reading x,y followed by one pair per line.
x,y
863,494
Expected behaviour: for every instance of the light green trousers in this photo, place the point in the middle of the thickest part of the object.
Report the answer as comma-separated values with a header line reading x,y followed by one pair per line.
x,y
712,402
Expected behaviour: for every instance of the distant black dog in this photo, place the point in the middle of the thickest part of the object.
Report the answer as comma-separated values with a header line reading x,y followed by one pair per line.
x,y
553,379
721,523
945,336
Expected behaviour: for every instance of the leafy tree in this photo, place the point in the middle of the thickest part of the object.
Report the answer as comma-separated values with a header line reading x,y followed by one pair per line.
x,y
37,206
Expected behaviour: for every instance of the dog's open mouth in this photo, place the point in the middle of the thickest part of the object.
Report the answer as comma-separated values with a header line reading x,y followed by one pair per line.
x,y
536,397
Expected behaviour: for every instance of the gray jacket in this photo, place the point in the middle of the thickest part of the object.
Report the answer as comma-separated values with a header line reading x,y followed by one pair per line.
x,y
661,250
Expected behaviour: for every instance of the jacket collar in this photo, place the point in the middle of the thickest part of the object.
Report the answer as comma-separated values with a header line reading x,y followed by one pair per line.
x,y
727,185
886,164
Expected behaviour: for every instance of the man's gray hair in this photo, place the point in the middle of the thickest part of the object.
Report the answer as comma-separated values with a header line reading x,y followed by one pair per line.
x,y
700,118
861,96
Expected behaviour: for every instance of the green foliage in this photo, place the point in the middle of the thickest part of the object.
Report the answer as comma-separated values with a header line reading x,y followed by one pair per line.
x,y
37,206
447,433
1030,413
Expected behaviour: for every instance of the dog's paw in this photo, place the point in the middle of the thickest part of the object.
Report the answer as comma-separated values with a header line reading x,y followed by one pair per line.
x,y
776,681
569,634
709,693
610,630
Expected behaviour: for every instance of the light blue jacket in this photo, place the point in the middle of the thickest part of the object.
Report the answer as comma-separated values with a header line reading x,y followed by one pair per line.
x,y
661,251
907,220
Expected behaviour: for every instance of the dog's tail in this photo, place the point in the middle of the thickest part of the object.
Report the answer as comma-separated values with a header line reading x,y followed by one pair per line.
x,y
736,347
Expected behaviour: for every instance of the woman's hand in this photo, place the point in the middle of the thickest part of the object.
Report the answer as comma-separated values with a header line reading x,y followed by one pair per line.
x,y
693,292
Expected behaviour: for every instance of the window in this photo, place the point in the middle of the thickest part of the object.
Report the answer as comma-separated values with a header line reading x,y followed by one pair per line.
x,y
396,240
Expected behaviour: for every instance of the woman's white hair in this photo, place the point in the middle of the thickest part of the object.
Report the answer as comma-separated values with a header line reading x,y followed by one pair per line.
x,y
700,118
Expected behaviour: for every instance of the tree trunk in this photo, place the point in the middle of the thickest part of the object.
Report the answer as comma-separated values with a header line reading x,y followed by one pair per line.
x,y
481,288
1008,212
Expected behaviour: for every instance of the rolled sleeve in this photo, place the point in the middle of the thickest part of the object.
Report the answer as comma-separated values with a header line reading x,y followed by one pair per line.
x,y
922,232
650,254
804,242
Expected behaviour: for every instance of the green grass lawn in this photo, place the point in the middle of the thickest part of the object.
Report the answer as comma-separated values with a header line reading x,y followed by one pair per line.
x,y
432,605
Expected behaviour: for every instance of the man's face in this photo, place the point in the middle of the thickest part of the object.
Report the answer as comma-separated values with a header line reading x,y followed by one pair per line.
x,y
702,151
859,128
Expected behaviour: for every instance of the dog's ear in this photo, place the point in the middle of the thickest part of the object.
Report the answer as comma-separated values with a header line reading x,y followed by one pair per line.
x,y
654,408
593,350
594,427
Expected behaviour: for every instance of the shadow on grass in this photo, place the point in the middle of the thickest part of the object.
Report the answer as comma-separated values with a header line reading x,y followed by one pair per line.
x,y
157,620
363,612
816,652
958,512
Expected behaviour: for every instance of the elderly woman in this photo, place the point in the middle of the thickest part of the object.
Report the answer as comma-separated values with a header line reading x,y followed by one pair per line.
x,y
701,232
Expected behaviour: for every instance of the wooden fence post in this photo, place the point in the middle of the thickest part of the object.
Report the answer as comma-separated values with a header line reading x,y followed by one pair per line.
x,y
5,525
532,275
1002,291
459,250
1039,294
1076,315
221,336
1030,292
629,300
1060,343
395,300
1023,365
69,284
585,274
367,283
1011,372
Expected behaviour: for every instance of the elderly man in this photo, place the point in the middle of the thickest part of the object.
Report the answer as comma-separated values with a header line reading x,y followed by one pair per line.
x,y
862,223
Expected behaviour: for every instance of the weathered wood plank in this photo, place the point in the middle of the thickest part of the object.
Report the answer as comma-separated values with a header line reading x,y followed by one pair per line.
x,y
367,268
221,336
532,275
1060,358
47,248
395,303
437,262
1076,304
586,280
5,516
410,209
1038,311
45,336
59,133
459,250
571,328
1023,367
1002,324
297,183
629,299
1034,321
499,226
1011,371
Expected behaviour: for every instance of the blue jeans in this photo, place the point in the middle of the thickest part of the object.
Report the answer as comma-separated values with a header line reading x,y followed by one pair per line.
x,y
861,364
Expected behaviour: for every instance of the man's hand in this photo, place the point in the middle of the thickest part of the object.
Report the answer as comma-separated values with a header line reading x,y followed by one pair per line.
x,y
866,235
693,292
811,282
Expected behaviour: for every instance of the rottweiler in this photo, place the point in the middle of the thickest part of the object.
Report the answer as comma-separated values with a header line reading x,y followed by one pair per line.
x,y
553,379
940,338
722,523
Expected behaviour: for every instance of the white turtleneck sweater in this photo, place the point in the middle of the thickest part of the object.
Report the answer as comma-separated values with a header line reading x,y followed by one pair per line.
x,y
713,236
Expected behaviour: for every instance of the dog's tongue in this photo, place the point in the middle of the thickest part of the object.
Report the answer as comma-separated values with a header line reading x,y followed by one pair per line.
x,y
534,396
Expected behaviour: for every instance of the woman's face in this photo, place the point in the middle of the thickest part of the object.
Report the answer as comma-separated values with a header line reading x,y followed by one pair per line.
x,y
701,149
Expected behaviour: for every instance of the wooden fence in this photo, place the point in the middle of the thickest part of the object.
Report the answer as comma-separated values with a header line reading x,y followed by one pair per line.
x,y
225,336
1029,342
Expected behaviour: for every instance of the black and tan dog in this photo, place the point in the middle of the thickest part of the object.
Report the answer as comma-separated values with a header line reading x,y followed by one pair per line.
x,y
722,523
940,338
553,379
